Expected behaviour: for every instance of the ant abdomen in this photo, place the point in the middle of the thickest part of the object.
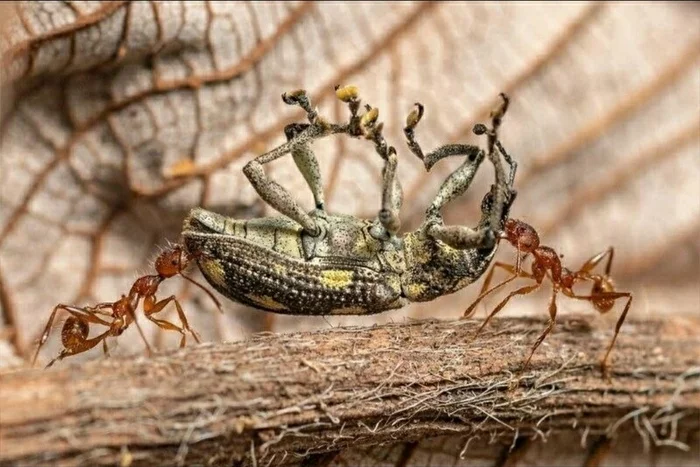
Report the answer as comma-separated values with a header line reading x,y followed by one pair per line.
x,y
74,332
603,304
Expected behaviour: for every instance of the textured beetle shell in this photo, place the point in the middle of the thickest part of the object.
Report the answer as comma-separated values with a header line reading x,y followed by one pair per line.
x,y
271,264
434,269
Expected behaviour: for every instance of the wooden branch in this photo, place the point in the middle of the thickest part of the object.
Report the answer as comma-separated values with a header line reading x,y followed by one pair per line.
x,y
272,399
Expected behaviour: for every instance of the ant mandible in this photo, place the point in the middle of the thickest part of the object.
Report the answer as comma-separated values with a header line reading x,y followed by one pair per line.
x,y
546,262
117,316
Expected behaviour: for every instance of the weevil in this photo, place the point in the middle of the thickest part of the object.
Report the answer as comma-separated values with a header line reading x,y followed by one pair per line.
x,y
318,263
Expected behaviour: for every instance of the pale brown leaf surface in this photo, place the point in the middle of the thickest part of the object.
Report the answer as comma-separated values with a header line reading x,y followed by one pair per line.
x,y
101,100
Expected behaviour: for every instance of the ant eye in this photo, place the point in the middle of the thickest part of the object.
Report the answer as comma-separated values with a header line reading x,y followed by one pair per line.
x,y
174,262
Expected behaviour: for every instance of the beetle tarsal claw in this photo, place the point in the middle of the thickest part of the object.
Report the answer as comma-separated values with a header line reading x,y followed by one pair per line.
x,y
414,117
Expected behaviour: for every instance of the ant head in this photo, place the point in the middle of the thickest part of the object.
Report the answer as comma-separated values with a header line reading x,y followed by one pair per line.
x,y
172,261
521,235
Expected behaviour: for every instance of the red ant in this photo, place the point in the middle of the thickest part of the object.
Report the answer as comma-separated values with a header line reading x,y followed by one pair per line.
x,y
120,314
546,262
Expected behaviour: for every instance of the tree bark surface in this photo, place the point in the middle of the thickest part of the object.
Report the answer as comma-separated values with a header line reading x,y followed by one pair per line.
x,y
274,399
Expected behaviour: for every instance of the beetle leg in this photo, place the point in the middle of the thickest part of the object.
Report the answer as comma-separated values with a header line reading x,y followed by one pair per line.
x,y
456,184
299,138
275,194
392,195
302,154
300,98
458,181
429,160
307,163
502,192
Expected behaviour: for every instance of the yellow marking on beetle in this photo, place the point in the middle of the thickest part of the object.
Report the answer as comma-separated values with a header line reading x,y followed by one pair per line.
x,y
336,278
414,290
266,302
362,248
279,269
394,282
213,270
415,248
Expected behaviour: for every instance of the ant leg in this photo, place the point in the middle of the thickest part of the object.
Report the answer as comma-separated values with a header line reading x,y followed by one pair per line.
x,y
183,320
521,291
548,329
516,273
101,306
618,325
79,313
168,326
151,308
620,320
74,337
596,259
47,329
507,267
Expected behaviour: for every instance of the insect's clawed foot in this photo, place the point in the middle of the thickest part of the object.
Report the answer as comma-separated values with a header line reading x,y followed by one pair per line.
x,y
412,120
299,97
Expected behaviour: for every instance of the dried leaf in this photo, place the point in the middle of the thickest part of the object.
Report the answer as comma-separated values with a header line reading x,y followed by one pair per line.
x,y
117,117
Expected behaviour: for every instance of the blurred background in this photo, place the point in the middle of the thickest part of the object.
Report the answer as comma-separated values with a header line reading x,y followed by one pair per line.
x,y
104,103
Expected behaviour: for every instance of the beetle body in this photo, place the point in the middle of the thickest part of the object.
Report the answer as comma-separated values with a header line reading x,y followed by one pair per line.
x,y
318,263
272,264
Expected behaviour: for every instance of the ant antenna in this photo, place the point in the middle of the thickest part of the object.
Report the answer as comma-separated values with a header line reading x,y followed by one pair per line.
x,y
211,295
